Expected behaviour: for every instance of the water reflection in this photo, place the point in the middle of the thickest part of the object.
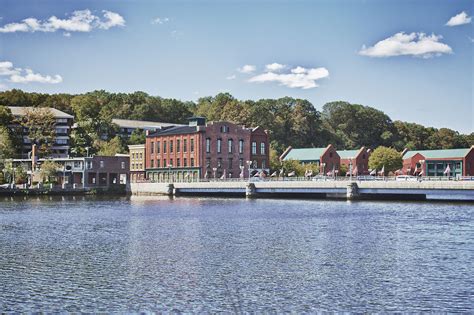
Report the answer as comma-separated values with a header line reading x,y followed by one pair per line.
x,y
207,255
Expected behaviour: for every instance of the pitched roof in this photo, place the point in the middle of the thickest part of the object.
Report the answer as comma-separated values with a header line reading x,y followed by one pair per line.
x,y
347,154
21,111
439,154
306,154
142,124
176,130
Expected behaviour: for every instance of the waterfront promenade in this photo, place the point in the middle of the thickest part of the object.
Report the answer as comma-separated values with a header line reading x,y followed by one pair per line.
x,y
338,189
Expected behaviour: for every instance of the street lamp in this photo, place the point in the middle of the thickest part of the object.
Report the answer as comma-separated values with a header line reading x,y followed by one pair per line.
x,y
350,169
249,164
169,172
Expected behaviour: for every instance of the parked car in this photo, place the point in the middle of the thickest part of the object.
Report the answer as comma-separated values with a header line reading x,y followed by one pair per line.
x,y
406,178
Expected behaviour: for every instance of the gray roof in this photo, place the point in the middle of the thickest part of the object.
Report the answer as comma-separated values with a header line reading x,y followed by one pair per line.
x,y
21,111
177,130
347,154
141,124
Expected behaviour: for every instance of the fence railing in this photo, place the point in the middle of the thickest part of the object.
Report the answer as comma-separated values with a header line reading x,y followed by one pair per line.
x,y
315,178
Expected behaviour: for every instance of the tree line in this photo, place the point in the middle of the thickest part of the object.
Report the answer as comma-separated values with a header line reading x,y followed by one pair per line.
x,y
289,121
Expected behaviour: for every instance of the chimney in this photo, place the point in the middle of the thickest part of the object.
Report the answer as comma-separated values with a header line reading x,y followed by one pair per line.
x,y
33,157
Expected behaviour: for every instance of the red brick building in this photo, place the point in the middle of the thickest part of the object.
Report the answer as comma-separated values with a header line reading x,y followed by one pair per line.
x,y
326,158
200,150
436,162
359,158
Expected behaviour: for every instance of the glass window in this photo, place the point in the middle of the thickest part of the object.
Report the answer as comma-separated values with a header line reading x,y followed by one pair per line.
x,y
152,147
178,162
122,164
241,162
158,149
219,145
192,162
230,144
185,145
152,163
171,162
264,163
254,147
171,146
164,146
164,163
101,164
230,163
262,148
219,162
208,162
208,145
185,162
241,146
178,145
192,145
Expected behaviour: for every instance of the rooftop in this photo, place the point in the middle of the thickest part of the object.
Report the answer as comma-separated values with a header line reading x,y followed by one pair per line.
x,y
141,124
439,154
306,154
347,154
176,130
21,111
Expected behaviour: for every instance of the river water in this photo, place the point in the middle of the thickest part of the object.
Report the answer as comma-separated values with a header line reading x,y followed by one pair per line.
x,y
234,255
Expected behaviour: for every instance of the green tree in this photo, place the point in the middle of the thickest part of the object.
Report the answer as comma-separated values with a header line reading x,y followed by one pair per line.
x,y
7,149
49,169
6,116
40,123
388,158
110,148
137,137
358,125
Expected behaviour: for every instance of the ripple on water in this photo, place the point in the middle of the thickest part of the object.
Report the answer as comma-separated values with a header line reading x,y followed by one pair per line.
x,y
212,255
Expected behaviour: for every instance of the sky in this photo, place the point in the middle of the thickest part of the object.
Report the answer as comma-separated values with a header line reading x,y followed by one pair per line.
x,y
414,60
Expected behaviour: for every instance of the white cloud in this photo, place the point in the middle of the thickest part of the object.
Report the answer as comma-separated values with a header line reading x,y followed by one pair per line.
x,y
160,21
459,19
6,68
247,69
231,77
19,75
79,21
67,34
274,67
414,44
112,19
471,39
298,77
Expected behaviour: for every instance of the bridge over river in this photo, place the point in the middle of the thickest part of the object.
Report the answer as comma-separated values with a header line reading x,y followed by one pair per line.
x,y
351,190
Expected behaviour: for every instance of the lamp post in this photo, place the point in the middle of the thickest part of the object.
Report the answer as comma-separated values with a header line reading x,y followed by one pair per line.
x,y
169,172
249,164
87,150
350,169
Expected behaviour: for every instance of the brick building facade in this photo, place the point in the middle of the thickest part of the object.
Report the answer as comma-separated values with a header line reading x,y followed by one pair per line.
x,y
359,159
326,158
200,150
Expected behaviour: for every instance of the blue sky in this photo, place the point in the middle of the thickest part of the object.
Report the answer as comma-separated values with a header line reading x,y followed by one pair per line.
x,y
190,49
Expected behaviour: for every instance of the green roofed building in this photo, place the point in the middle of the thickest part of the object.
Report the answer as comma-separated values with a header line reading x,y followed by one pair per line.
x,y
449,162
326,158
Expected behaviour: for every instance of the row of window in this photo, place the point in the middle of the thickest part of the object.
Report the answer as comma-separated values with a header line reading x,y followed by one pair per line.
x,y
137,155
230,163
136,166
157,163
230,146
180,145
